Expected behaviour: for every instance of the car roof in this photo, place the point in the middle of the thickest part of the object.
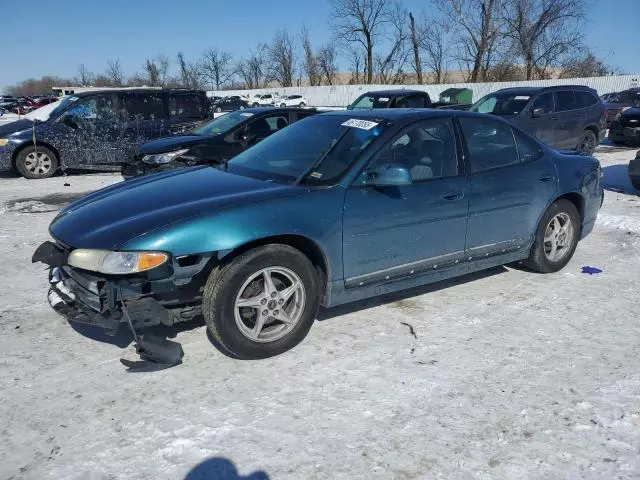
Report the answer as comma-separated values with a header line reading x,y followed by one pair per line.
x,y
534,90
135,90
393,92
404,114
259,110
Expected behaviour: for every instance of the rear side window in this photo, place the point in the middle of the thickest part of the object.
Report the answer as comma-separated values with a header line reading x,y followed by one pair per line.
x,y
490,144
585,99
527,148
185,105
416,101
144,107
566,100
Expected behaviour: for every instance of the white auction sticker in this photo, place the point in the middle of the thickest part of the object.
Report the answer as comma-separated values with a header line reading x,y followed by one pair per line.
x,y
362,124
246,114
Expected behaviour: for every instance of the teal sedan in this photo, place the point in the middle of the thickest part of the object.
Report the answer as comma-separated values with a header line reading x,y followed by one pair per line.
x,y
336,208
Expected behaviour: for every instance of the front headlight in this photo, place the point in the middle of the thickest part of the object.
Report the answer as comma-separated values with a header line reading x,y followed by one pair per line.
x,y
115,263
3,141
162,158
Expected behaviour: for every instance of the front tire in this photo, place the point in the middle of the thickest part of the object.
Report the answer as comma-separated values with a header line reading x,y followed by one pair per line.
x,y
588,143
36,162
263,302
301,104
636,183
256,104
556,238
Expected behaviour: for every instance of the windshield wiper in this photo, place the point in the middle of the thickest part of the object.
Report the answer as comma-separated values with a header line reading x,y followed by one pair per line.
x,y
321,158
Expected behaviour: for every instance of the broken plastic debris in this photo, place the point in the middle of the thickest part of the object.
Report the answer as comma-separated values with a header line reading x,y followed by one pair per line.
x,y
591,270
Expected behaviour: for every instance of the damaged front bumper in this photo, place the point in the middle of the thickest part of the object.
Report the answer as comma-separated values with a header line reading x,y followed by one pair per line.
x,y
85,297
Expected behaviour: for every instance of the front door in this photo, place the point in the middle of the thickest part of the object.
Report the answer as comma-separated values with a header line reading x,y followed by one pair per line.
x,y
509,186
391,233
537,119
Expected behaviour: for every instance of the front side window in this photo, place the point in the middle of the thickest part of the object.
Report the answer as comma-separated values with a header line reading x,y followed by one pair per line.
x,y
528,150
543,104
96,108
185,105
366,102
267,125
222,124
427,149
490,144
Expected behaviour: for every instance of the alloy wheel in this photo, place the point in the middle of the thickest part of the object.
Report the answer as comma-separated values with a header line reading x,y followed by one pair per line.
x,y
558,237
269,304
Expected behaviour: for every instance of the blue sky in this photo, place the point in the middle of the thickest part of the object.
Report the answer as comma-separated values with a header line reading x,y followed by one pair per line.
x,y
42,37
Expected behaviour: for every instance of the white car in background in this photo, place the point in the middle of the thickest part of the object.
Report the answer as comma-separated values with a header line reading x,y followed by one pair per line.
x,y
293,101
261,100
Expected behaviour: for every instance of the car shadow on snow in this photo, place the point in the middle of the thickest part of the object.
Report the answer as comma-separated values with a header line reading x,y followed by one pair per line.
x,y
218,468
616,179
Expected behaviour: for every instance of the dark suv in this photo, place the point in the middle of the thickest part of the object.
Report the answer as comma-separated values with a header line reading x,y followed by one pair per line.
x,y
97,128
564,117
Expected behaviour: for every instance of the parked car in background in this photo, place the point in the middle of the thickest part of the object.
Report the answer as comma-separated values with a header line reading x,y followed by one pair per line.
x,y
625,128
214,142
339,207
619,102
634,171
563,117
293,101
263,99
230,104
398,98
97,128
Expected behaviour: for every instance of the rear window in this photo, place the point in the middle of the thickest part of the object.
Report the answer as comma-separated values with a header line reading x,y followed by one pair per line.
x,y
144,107
566,100
585,99
185,105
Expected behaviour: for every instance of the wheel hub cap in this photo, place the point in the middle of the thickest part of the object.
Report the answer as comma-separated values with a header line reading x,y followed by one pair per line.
x,y
558,237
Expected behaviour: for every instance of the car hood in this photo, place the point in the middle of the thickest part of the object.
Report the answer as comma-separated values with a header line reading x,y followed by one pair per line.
x,y
631,113
169,144
14,127
110,217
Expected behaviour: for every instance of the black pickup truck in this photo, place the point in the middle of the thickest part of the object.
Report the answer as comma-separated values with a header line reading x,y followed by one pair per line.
x,y
399,98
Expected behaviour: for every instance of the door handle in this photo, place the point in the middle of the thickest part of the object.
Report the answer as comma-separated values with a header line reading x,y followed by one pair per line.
x,y
453,196
555,118
546,178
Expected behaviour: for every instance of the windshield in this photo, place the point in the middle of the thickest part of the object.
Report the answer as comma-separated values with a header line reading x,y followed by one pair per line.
x,y
51,110
501,104
367,101
286,155
222,124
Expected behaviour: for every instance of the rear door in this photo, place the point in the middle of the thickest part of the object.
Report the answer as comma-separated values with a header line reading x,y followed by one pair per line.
x,y
568,120
510,182
146,119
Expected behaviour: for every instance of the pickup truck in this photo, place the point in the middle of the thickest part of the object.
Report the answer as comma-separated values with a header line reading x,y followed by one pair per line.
x,y
399,98
262,100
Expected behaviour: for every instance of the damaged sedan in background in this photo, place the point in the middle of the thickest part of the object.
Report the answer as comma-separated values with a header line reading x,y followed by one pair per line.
x,y
97,129
258,243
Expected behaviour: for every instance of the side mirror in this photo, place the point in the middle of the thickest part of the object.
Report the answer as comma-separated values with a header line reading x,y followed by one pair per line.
x,y
536,112
388,175
70,121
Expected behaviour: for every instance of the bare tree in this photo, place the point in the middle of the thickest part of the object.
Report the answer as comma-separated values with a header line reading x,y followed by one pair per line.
x,y
584,65
362,22
38,86
415,45
156,71
310,60
85,77
114,73
252,70
328,63
543,31
478,30
391,67
189,72
281,56
358,66
434,42
215,68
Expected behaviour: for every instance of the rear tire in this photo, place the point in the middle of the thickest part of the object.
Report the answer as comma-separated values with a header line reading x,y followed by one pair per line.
x,y
218,109
301,104
636,183
286,320
36,162
588,143
255,104
556,238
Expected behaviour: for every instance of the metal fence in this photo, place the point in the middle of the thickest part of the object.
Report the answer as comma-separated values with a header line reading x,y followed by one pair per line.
x,y
343,95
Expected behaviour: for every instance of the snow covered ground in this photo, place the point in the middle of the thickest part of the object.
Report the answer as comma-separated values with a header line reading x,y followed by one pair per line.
x,y
510,375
